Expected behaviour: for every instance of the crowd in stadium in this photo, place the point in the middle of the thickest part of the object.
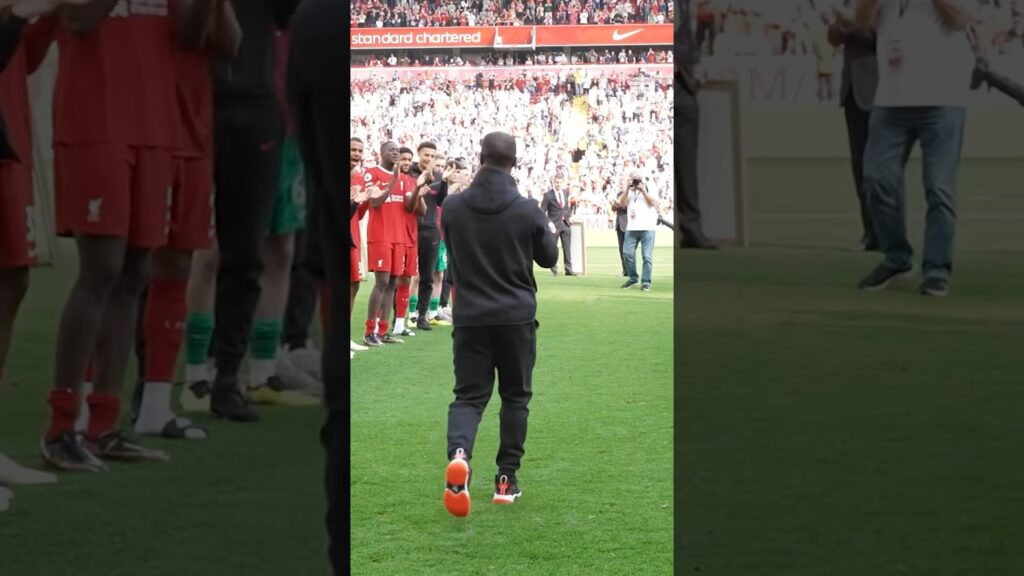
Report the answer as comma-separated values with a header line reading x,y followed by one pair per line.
x,y
409,13
507,58
593,128
799,27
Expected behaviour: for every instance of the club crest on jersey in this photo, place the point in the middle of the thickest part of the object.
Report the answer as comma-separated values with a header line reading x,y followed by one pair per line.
x,y
94,207
125,8
367,176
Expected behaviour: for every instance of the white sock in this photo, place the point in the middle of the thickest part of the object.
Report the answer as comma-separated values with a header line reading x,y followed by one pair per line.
x,y
155,412
260,371
399,326
82,422
196,373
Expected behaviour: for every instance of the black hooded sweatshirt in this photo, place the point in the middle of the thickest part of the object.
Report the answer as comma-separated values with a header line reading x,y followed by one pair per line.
x,y
494,235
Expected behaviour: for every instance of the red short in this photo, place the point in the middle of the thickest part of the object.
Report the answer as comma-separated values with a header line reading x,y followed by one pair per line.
x,y
386,257
193,226
109,189
17,217
354,274
411,267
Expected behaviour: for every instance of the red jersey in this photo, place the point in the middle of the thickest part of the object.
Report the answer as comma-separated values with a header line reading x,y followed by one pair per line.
x,y
117,82
412,226
387,222
194,91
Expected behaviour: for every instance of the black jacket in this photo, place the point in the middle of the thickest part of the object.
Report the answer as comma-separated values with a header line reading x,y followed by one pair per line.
x,y
10,36
494,235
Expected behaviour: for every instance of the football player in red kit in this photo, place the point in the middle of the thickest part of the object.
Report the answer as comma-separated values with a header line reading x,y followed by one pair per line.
x,y
115,132
206,29
356,185
22,49
385,246
414,207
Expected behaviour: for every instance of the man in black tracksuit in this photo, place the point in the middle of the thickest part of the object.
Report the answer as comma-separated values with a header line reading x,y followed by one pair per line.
x,y
493,235
429,246
248,130
315,86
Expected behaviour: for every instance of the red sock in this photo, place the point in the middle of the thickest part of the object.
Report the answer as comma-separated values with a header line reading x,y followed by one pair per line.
x,y
401,300
325,309
164,327
371,325
90,371
63,411
103,412
382,327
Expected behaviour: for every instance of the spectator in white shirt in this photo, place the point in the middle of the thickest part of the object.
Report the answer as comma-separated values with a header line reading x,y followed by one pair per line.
x,y
918,100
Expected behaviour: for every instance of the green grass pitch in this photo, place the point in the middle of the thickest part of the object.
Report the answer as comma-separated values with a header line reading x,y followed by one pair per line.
x,y
827,432
250,500
597,475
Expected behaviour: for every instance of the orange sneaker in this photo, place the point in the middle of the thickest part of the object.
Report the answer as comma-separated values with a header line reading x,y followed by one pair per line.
x,y
456,490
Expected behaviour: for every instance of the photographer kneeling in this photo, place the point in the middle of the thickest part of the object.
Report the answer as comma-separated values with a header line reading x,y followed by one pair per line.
x,y
642,213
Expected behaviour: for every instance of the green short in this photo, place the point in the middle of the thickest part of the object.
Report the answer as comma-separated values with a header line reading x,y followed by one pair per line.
x,y
442,258
290,205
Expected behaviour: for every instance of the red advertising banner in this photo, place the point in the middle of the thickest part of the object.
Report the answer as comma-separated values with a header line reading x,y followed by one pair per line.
x,y
499,36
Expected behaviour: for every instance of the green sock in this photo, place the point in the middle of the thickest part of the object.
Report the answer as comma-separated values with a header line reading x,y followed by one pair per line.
x,y
198,333
263,341
413,301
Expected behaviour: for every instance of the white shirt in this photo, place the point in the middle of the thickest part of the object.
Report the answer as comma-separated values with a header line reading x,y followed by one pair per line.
x,y
936,64
641,215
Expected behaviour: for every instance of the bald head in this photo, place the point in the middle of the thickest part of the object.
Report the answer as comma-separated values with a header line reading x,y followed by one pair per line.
x,y
498,150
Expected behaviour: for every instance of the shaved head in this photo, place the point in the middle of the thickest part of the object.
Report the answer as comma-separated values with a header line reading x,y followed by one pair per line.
x,y
498,150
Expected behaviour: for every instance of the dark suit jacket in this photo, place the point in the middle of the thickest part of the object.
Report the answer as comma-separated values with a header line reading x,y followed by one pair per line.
x,y
558,215
621,219
860,70
685,51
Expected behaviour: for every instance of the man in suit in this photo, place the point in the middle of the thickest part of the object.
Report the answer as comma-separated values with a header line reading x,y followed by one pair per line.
x,y
857,96
555,204
686,56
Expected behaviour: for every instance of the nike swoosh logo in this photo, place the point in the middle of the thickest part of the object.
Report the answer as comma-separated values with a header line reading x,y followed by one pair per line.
x,y
616,36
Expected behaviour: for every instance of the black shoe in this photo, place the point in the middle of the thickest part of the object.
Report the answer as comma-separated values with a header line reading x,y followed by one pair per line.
x,y
935,287
423,324
554,271
571,274
68,453
880,278
646,287
506,489
116,446
407,333
228,402
629,284
372,340
389,339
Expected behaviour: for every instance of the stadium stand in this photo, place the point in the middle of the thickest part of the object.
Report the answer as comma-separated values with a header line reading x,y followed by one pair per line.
x,y
406,13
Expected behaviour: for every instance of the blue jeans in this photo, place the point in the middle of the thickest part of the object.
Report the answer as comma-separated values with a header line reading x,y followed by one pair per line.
x,y
891,136
646,240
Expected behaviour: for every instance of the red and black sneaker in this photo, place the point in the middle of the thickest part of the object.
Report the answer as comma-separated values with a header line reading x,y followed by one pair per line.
x,y
456,490
506,489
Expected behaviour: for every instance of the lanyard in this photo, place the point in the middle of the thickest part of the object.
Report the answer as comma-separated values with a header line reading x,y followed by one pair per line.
x,y
903,7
